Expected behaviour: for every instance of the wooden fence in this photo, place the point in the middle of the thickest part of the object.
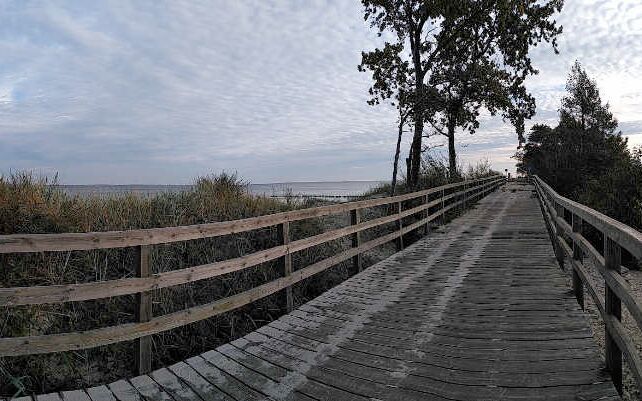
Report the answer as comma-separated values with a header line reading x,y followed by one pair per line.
x,y
426,206
567,219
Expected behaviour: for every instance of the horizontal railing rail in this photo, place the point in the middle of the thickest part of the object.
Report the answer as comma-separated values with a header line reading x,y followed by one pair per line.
x,y
447,197
616,236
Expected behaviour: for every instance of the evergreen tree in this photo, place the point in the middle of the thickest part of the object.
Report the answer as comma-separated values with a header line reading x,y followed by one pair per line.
x,y
584,157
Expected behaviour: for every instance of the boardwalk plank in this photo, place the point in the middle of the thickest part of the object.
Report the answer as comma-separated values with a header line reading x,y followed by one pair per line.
x,y
252,378
76,395
124,391
48,397
196,382
288,376
222,380
100,393
174,386
150,389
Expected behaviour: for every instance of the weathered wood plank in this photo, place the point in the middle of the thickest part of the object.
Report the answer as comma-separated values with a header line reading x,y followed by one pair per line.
x,y
355,219
100,393
151,390
143,311
48,397
398,211
626,236
174,386
76,395
124,391
223,380
103,289
613,308
198,384
286,263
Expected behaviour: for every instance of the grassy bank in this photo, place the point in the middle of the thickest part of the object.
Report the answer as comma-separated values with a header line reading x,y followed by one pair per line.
x,y
30,204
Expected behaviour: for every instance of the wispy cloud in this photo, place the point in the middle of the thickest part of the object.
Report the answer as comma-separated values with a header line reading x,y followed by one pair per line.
x,y
159,92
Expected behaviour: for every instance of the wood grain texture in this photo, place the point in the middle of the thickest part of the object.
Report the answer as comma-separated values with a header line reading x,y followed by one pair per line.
x,y
286,263
143,346
355,219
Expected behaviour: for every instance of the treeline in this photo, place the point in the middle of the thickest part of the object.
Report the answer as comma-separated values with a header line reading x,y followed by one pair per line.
x,y
585,157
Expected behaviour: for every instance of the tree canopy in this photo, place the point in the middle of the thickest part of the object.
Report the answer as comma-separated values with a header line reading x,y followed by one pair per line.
x,y
453,58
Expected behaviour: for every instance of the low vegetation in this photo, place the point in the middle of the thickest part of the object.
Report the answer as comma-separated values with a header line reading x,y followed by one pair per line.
x,y
30,204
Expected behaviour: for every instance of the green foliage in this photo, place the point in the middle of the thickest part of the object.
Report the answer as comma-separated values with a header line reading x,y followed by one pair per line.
x,y
582,107
488,62
584,157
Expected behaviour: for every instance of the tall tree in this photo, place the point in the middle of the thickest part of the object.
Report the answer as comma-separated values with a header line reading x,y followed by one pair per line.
x,y
391,82
584,156
463,55
582,106
410,22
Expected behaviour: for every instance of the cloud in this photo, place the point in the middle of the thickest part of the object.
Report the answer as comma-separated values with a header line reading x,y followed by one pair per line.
x,y
159,92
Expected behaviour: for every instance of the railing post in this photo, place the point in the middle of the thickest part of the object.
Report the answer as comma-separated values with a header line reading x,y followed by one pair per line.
x,y
442,216
143,345
284,237
355,218
559,252
578,287
613,306
465,196
400,228
426,214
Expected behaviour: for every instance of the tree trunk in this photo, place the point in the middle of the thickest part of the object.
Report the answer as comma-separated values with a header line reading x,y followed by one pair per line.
x,y
396,164
415,152
415,148
408,166
452,155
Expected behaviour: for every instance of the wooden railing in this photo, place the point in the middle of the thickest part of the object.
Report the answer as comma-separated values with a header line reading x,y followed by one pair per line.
x,y
430,204
616,236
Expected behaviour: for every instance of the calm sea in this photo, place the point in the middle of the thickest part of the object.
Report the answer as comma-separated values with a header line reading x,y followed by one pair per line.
x,y
328,189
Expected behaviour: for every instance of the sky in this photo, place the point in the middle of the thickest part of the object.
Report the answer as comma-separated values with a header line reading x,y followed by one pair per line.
x,y
160,92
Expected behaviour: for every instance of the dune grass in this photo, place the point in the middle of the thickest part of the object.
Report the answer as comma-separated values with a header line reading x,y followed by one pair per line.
x,y
33,204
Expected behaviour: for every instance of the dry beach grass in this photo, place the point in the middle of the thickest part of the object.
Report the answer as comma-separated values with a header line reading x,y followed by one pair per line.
x,y
30,204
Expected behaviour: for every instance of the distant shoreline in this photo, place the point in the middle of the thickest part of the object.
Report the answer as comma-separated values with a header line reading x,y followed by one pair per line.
x,y
330,189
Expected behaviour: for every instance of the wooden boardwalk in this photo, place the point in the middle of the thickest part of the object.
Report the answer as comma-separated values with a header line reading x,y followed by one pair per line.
x,y
477,310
